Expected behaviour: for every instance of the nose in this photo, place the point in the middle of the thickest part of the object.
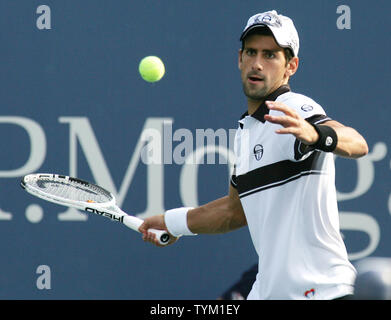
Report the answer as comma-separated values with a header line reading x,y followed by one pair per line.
x,y
257,64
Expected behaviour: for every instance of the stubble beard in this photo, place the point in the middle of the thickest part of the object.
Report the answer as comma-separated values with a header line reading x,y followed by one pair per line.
x,y
255,94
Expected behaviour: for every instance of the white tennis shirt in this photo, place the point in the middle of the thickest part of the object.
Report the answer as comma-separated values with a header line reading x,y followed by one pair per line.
x,y
289,199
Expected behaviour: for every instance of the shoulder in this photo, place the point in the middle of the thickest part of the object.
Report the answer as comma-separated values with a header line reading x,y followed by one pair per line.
x,y
305,106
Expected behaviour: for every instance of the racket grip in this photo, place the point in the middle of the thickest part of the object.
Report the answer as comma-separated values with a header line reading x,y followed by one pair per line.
x,y
135,223
162,236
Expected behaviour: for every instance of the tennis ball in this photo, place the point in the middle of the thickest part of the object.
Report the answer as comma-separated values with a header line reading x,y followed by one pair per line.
x,y
151,68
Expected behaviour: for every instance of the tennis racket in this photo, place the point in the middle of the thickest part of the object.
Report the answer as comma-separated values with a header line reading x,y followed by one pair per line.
x,y
82,195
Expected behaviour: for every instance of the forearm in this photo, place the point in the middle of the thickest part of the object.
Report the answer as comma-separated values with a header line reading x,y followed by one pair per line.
x,y
219,216
350,143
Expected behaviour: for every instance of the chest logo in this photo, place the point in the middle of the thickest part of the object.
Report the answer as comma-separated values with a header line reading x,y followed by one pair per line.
x,y
258,152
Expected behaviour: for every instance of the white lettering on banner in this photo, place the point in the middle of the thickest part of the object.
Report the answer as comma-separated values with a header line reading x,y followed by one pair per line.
x,y
37,151
185,147
151,152
154,148
363,222
210,136
80,131
37,146
356,221
365,172
5,215
389,198
189,173
184,152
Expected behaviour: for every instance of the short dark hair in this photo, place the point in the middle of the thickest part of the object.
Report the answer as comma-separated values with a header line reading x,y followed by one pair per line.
x,y
265,31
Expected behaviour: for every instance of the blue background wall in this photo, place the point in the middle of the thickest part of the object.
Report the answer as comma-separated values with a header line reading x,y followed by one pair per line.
x,y
86,66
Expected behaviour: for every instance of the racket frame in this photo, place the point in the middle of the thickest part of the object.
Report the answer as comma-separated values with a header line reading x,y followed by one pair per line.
x,y
107,209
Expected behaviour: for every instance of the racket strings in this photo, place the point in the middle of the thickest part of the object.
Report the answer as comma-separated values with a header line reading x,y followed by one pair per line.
x,y
72,190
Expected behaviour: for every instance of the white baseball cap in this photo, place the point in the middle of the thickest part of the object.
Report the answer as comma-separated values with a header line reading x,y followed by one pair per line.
x,y
282,27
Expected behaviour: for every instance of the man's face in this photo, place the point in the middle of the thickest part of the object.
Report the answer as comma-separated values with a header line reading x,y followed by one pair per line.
x,y
263,66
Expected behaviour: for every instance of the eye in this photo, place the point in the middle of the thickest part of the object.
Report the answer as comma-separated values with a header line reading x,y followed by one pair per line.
x,y
269,55
251,52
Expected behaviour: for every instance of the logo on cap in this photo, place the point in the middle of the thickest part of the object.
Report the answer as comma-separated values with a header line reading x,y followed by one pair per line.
x,y
269,19
266,18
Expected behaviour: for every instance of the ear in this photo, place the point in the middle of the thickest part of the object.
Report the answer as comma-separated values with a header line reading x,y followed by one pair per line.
x,y
292,67
240,59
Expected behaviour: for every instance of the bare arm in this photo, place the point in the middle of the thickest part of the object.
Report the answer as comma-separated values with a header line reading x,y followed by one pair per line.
x,y
350,143
218,216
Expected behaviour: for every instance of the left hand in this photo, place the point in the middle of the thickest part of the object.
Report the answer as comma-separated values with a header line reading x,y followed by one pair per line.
x,y
292,123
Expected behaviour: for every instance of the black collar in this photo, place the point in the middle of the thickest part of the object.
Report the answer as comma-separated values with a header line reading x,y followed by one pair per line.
x,y
262,110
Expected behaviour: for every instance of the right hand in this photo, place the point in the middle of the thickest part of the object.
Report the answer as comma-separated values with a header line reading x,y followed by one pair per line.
x,y
155,222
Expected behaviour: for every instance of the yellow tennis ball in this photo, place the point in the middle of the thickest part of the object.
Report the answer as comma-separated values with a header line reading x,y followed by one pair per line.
x,y
151,68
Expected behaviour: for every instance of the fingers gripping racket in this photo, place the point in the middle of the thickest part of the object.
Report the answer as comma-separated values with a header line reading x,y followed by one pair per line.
x,y
82,195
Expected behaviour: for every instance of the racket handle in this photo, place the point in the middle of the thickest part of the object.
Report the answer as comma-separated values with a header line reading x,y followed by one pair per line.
x,y
161,235
134,223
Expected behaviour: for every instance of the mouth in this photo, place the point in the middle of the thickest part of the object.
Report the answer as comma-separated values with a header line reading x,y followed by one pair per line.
x,y
255,79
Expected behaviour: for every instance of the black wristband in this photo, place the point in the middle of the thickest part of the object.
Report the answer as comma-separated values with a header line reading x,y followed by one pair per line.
x,y
327,138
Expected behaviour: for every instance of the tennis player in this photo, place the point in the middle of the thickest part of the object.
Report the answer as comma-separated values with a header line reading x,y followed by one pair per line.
x,y
283,184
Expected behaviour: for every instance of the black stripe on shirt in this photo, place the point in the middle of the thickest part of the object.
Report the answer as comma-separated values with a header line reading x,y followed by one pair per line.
x,y
276,174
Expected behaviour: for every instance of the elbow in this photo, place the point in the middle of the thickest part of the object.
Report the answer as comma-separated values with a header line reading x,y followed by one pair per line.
x,y
361,147
356,151
361,151
365,148
237,218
